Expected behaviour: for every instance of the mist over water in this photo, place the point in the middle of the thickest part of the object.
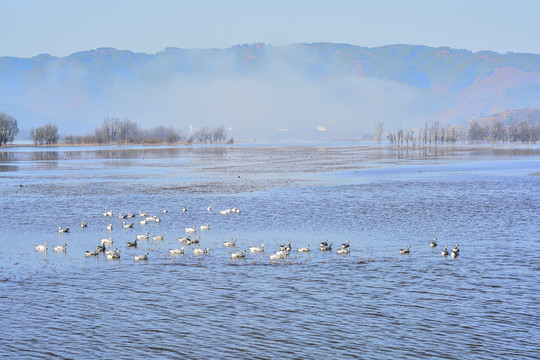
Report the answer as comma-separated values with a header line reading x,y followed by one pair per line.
x,y
370,304
276,94
271,106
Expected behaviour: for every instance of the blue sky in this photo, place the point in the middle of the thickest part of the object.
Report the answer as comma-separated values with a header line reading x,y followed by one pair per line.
x,y
62,27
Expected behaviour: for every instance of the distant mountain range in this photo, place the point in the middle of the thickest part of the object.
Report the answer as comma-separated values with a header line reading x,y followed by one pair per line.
x,y
303,90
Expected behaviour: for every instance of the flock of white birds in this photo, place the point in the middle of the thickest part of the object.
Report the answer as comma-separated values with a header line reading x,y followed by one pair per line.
x,y
106,244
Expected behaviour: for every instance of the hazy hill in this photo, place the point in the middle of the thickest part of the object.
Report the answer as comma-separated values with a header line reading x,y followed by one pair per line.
x,y
512,117
304,90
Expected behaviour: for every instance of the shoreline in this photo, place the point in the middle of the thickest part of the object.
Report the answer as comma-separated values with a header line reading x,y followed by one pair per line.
x,y
369,145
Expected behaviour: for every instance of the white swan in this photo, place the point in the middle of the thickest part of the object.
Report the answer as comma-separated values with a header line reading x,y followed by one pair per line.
x,y
209,208
433,243
204,227
142,236
345,245
236,255
282,253
278,255
230,243
127,226
177,251
256,248
83,224
59,247
109,227
106,241
191,229
63,230
140,257
108,213
454,254
456,248
110,252
344,251
165,211
41,247
113,256
405,251
132,243
304,249
158,237
183,239
199,251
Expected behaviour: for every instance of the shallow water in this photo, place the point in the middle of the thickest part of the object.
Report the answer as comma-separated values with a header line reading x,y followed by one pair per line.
x,y
371,304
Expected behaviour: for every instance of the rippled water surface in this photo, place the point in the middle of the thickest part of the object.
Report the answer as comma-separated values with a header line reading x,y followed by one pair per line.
x,y
373,303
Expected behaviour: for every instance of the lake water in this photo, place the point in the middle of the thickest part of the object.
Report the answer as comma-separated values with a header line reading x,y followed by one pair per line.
x,y
373,303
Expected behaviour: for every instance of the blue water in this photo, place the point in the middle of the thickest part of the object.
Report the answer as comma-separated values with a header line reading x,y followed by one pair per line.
x,y
374,303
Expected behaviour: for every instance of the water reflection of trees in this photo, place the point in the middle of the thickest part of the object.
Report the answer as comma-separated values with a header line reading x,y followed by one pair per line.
x,y
205,152
6,156
47,160
8,168
131,154
44,156
72,155
441,152
419,153
160,153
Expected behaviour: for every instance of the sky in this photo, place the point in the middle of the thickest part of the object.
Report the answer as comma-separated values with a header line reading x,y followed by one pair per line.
x,y
62,27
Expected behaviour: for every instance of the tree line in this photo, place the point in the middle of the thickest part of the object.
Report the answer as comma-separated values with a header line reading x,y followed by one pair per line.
x,y
45,135
207,135
522,132
114,130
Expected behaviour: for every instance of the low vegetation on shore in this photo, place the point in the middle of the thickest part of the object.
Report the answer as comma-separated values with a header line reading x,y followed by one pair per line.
x,y
506,130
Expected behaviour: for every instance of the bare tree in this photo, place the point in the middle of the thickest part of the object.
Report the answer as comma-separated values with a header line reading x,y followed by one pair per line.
x,y
109,128
377,135
425,135
497,132
207,135
219,134
392,138
8,128
47,134
127,131
477,133
400,137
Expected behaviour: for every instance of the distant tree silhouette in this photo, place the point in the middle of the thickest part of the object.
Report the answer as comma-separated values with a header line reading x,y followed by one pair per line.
x,y
45,135
8,128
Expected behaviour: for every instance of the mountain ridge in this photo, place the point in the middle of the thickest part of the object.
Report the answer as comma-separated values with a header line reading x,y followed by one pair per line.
x,y
429,83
